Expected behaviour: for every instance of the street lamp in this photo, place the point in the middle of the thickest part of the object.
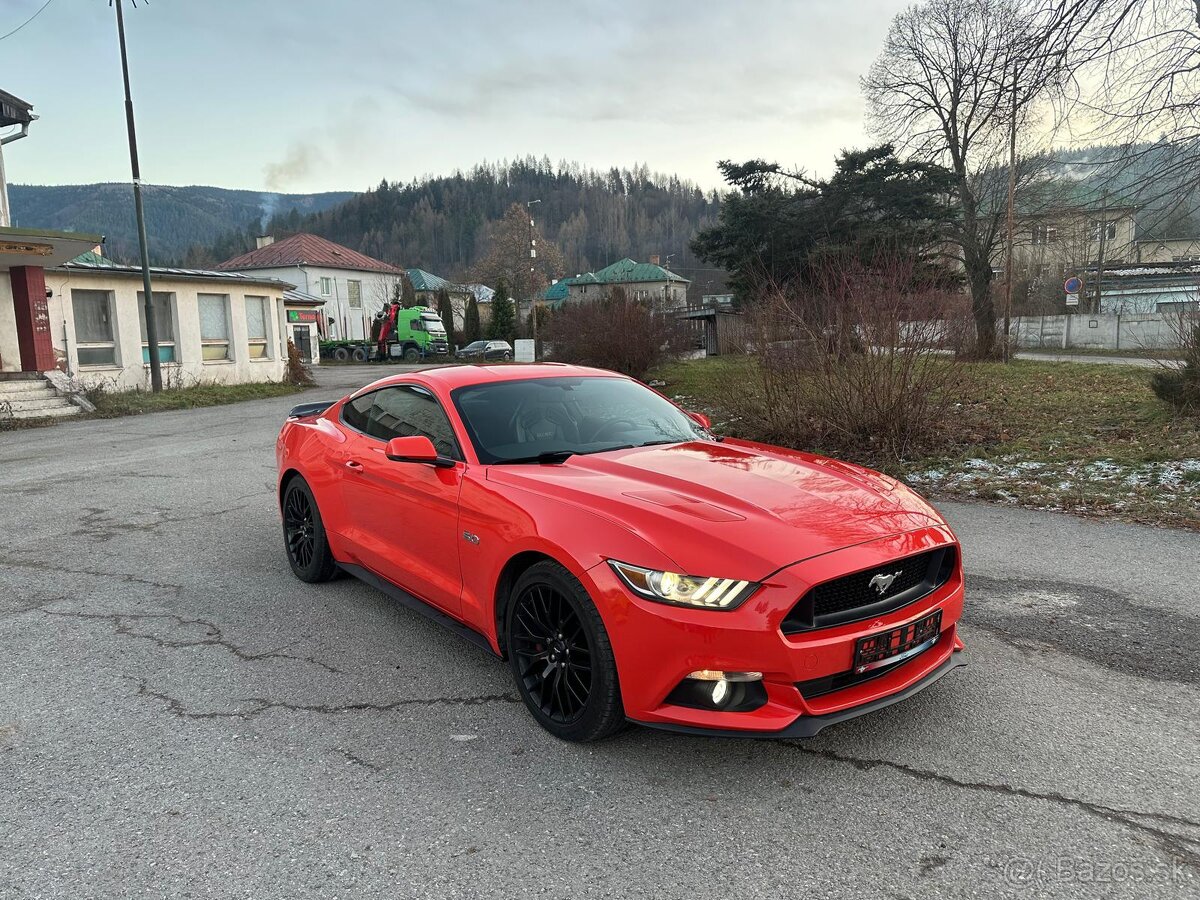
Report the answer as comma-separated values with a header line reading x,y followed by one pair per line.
x,y
532,257
151,329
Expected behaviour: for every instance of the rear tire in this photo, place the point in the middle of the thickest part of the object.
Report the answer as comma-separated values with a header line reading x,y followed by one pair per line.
x,y
304,537
341,354
561,657
360,354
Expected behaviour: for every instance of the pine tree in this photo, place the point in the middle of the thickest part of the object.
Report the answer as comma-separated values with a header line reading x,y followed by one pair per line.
x,y
503,326
446,312
408,296
472,331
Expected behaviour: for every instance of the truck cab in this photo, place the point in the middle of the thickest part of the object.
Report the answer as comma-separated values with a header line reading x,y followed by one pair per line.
x,y
419,332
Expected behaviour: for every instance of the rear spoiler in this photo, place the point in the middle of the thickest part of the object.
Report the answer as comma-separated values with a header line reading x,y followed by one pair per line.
x,y
309,409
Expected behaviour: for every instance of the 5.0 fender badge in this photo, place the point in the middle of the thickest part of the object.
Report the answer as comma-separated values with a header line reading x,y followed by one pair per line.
x,y
470,538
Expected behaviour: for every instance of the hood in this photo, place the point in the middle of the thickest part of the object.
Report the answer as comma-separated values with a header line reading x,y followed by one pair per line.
x,y
732,509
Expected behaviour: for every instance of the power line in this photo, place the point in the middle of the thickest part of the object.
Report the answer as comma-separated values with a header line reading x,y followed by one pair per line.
x,y
27,21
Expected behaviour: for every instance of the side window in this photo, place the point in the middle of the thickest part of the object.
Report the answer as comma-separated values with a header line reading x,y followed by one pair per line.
x,y
355,413
403,411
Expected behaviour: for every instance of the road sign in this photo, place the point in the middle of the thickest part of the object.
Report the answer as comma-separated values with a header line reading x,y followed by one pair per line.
x,y
1072,299
1073,285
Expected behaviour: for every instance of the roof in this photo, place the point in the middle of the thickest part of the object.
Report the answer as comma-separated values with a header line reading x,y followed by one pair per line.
x,y
427,281
450,377
483,293
297,297
38,247
14,110
93,262
627,271
307,250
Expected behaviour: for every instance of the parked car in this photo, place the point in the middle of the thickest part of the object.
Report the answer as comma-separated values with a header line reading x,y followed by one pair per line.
x,y
627,562
486,350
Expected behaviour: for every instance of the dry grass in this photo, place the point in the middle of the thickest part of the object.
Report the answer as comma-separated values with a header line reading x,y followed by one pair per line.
x,y
1084,438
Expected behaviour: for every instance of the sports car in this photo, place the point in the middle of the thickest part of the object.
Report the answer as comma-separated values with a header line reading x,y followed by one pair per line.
x,y
629,564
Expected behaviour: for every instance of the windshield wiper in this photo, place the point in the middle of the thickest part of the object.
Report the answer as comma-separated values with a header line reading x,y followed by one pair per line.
x,y
548,456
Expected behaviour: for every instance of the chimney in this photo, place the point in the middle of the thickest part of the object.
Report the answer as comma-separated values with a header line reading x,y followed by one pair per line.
x,y
263,240
654,260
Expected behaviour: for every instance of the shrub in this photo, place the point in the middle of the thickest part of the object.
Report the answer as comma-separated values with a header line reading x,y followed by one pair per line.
x,y
1181,386
297,372
614,333
861,362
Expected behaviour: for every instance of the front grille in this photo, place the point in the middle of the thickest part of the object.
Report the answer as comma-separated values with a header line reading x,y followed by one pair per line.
x,y
851,597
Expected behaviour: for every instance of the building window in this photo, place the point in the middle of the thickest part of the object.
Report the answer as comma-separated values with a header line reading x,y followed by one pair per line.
x,y
1045,234
164,326
1110,230
214,326
93,312
326,286
354,294
257,332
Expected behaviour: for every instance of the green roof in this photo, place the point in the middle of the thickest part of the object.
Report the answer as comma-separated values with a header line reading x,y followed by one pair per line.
x,y
92,258
627,271
427,281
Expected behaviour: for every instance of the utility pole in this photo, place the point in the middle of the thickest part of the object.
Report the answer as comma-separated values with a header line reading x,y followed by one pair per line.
x,y
532,300
1011,215
151,329
1100,259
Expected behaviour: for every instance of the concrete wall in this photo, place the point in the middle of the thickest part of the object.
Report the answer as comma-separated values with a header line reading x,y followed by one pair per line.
x,y
129,370
673,292
1144,331
10,351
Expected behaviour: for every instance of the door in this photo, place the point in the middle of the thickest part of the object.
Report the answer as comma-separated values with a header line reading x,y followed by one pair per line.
x,y
403,517
302,338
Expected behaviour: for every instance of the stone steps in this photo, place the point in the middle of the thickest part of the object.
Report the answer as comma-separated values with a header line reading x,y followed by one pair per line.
x,y
33,398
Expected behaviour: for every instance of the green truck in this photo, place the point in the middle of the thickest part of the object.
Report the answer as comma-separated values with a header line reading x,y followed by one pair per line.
x,y
415,332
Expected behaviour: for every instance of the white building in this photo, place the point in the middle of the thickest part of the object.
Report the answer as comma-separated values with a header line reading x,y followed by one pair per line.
x,y
211,326
354,286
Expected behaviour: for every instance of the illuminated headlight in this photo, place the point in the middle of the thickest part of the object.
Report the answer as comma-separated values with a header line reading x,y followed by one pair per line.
x,y
684,590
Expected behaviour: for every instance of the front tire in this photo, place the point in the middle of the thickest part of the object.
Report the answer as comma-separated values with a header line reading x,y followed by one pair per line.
x,y
412,355
304,537
561,657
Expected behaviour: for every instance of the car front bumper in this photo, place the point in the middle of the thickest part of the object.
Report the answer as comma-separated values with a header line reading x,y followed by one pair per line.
x,y
658,645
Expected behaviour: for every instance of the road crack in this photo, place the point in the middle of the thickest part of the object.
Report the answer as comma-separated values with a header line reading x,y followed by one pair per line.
x,y
124,625
1179,846
260,705
55,568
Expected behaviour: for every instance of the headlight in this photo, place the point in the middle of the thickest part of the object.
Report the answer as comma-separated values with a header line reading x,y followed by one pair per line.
x,y
684,590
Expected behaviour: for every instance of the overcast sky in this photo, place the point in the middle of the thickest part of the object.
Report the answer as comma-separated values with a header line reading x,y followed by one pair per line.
x,y
300,95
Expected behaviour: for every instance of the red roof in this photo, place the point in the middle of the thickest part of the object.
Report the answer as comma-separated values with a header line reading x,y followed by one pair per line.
x,y
307,250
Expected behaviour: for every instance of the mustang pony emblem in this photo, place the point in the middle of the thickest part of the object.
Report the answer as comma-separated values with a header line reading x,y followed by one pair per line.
x,y
883,583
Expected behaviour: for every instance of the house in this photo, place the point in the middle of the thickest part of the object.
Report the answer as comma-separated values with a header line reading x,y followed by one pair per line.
x,y
303,313
1147,288
84,315
1064,240
353,286
1168,250
648,282
426,286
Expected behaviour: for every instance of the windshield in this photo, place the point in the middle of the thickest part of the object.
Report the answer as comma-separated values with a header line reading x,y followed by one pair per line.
x,y
520,421
433,324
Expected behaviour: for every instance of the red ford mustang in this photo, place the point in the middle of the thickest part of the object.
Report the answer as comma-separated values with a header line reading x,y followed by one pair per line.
x,y
628,563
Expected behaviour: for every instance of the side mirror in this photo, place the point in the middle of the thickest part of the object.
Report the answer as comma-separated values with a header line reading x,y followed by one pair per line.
x,y
702,420
416,449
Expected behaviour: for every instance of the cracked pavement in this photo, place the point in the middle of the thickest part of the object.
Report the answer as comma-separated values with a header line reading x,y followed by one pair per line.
x,y
180,717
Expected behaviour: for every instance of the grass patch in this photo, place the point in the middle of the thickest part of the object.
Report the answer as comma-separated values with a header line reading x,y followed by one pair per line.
x,y
1071,436
132,403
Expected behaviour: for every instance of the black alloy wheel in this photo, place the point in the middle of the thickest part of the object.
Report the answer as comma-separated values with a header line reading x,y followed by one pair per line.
x,y
561,656
553,653
304,535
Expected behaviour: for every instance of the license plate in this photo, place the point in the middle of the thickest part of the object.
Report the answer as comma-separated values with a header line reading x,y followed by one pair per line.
x,y
890,647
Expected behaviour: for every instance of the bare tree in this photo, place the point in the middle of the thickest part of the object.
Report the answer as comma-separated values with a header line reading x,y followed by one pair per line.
x,y
954,83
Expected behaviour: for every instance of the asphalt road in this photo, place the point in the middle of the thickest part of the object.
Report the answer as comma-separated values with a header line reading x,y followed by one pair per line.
x,y
180,717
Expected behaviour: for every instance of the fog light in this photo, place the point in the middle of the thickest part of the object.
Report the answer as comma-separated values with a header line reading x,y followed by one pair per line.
x,y
720,690
715,690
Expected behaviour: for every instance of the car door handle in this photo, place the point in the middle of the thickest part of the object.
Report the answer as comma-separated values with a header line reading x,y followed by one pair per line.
x,y
355,466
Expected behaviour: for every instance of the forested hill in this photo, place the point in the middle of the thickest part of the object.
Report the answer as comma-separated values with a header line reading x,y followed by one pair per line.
x,y
176,217
441,224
